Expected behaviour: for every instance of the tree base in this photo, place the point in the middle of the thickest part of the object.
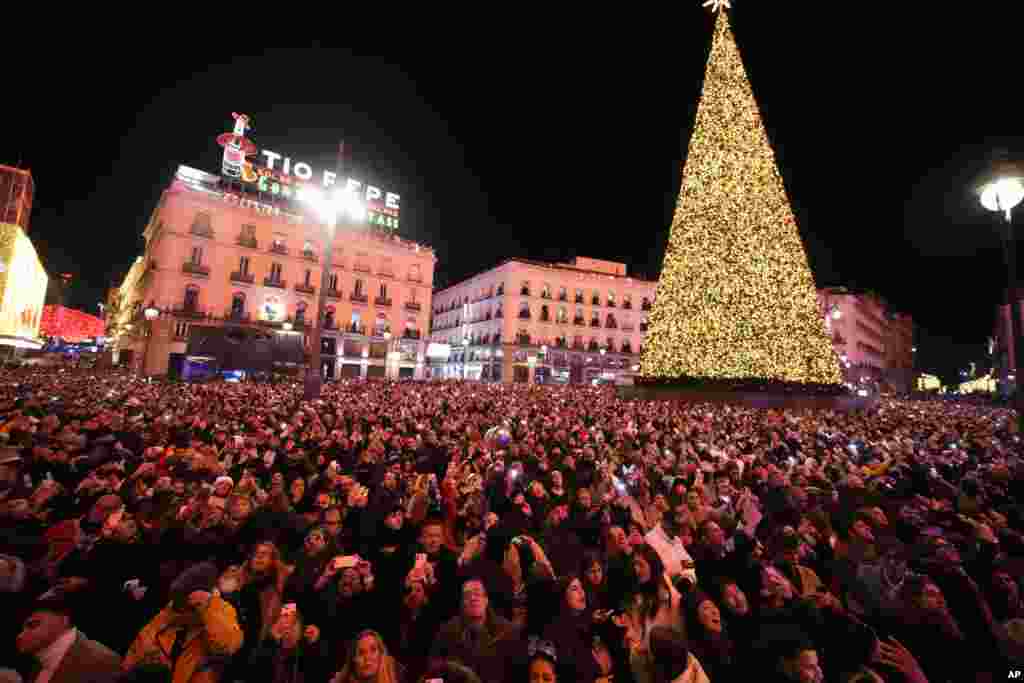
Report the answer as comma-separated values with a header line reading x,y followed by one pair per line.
x,y
774,395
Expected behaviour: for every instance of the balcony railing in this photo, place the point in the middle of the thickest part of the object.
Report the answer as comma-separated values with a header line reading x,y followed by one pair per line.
x,y
611,304
595,323
415,278
195,268
359,298
412,305
560,344
310,256
545,295
239,276
627,328
627,305
579,321
189,311
626,348
306,289
646,305
524,315
361,268
381,301
523,340
332,293
202,230
248,242
411,334
579,299
595,301
592,346
356,329
578,346
563,297
236,316
279,249
273,282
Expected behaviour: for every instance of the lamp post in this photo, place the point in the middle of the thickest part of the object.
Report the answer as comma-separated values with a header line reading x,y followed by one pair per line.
x,y
329,207
151,313
1001,192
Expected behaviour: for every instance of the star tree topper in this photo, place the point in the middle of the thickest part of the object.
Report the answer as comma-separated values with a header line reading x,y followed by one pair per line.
x,y
715,5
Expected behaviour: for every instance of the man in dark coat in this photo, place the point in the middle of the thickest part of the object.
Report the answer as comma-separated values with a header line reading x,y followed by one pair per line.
x,y
59,652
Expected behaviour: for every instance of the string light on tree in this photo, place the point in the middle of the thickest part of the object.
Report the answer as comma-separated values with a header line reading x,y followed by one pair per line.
x,y
736,299
715,5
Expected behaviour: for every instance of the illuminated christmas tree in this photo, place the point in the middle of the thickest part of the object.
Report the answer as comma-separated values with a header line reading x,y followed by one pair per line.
x,y
736,299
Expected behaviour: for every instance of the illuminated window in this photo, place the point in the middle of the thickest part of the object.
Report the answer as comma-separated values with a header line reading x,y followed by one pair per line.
x,y
275,272
197,256
309,274
358,289
237,304
334,282
383,290
300,312
243,265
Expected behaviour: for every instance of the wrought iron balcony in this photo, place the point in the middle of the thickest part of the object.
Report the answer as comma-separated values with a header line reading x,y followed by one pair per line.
x,y
248,242
239,276
411,334
412,305
195,268
332,293
310,256
611,304
305,289
279,249
523,340
236,316
595,323
273,282
359,298
579,321
627,305
593,346
381,301
189,311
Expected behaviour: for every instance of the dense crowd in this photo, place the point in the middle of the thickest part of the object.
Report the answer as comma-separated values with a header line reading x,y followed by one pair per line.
x,y
466,532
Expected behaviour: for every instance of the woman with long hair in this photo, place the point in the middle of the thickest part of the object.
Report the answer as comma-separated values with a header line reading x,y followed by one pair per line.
x,y
595,580
707,636
368,661
583,657
654,602
256,589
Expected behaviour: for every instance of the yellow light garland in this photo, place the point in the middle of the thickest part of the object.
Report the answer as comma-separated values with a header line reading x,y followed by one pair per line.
x,y
736,298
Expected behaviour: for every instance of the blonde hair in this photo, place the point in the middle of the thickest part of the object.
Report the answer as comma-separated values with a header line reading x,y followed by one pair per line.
x,y
389,671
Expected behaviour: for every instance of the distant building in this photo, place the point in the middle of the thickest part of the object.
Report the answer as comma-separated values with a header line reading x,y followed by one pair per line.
x,y
22,289
874,344
16,194
530,321
69,324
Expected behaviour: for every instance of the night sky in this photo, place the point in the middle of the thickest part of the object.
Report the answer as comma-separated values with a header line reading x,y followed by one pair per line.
x,y
562,137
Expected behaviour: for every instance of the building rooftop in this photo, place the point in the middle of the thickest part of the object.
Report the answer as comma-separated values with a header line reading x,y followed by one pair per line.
x,y
568,267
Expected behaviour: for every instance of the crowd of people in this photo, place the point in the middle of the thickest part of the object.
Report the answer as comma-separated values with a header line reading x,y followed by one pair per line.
x,y
448,531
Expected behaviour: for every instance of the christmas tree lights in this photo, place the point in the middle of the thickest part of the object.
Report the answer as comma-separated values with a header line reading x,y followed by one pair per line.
x,y
736,299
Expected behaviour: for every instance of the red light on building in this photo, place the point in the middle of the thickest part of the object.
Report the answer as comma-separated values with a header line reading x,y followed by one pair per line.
x,y
16,193
69,324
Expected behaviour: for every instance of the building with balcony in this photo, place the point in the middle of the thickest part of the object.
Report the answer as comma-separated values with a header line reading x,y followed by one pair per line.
x,y
17,191
875,344
529,321
214,258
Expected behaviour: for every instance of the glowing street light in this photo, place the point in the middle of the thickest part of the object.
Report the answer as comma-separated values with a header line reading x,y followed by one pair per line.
x,y
331,206
1001,190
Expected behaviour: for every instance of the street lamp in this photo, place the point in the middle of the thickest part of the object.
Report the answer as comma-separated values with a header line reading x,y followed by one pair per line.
x,y
151,313
1001,191
329,206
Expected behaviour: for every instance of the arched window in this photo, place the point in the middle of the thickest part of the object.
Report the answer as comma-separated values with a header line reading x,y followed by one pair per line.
x,y
300,312
329,316
545,314
238,305
191,302
358,289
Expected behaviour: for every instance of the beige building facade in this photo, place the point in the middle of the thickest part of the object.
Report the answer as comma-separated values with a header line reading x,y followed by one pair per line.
x,y
215,258
529,321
